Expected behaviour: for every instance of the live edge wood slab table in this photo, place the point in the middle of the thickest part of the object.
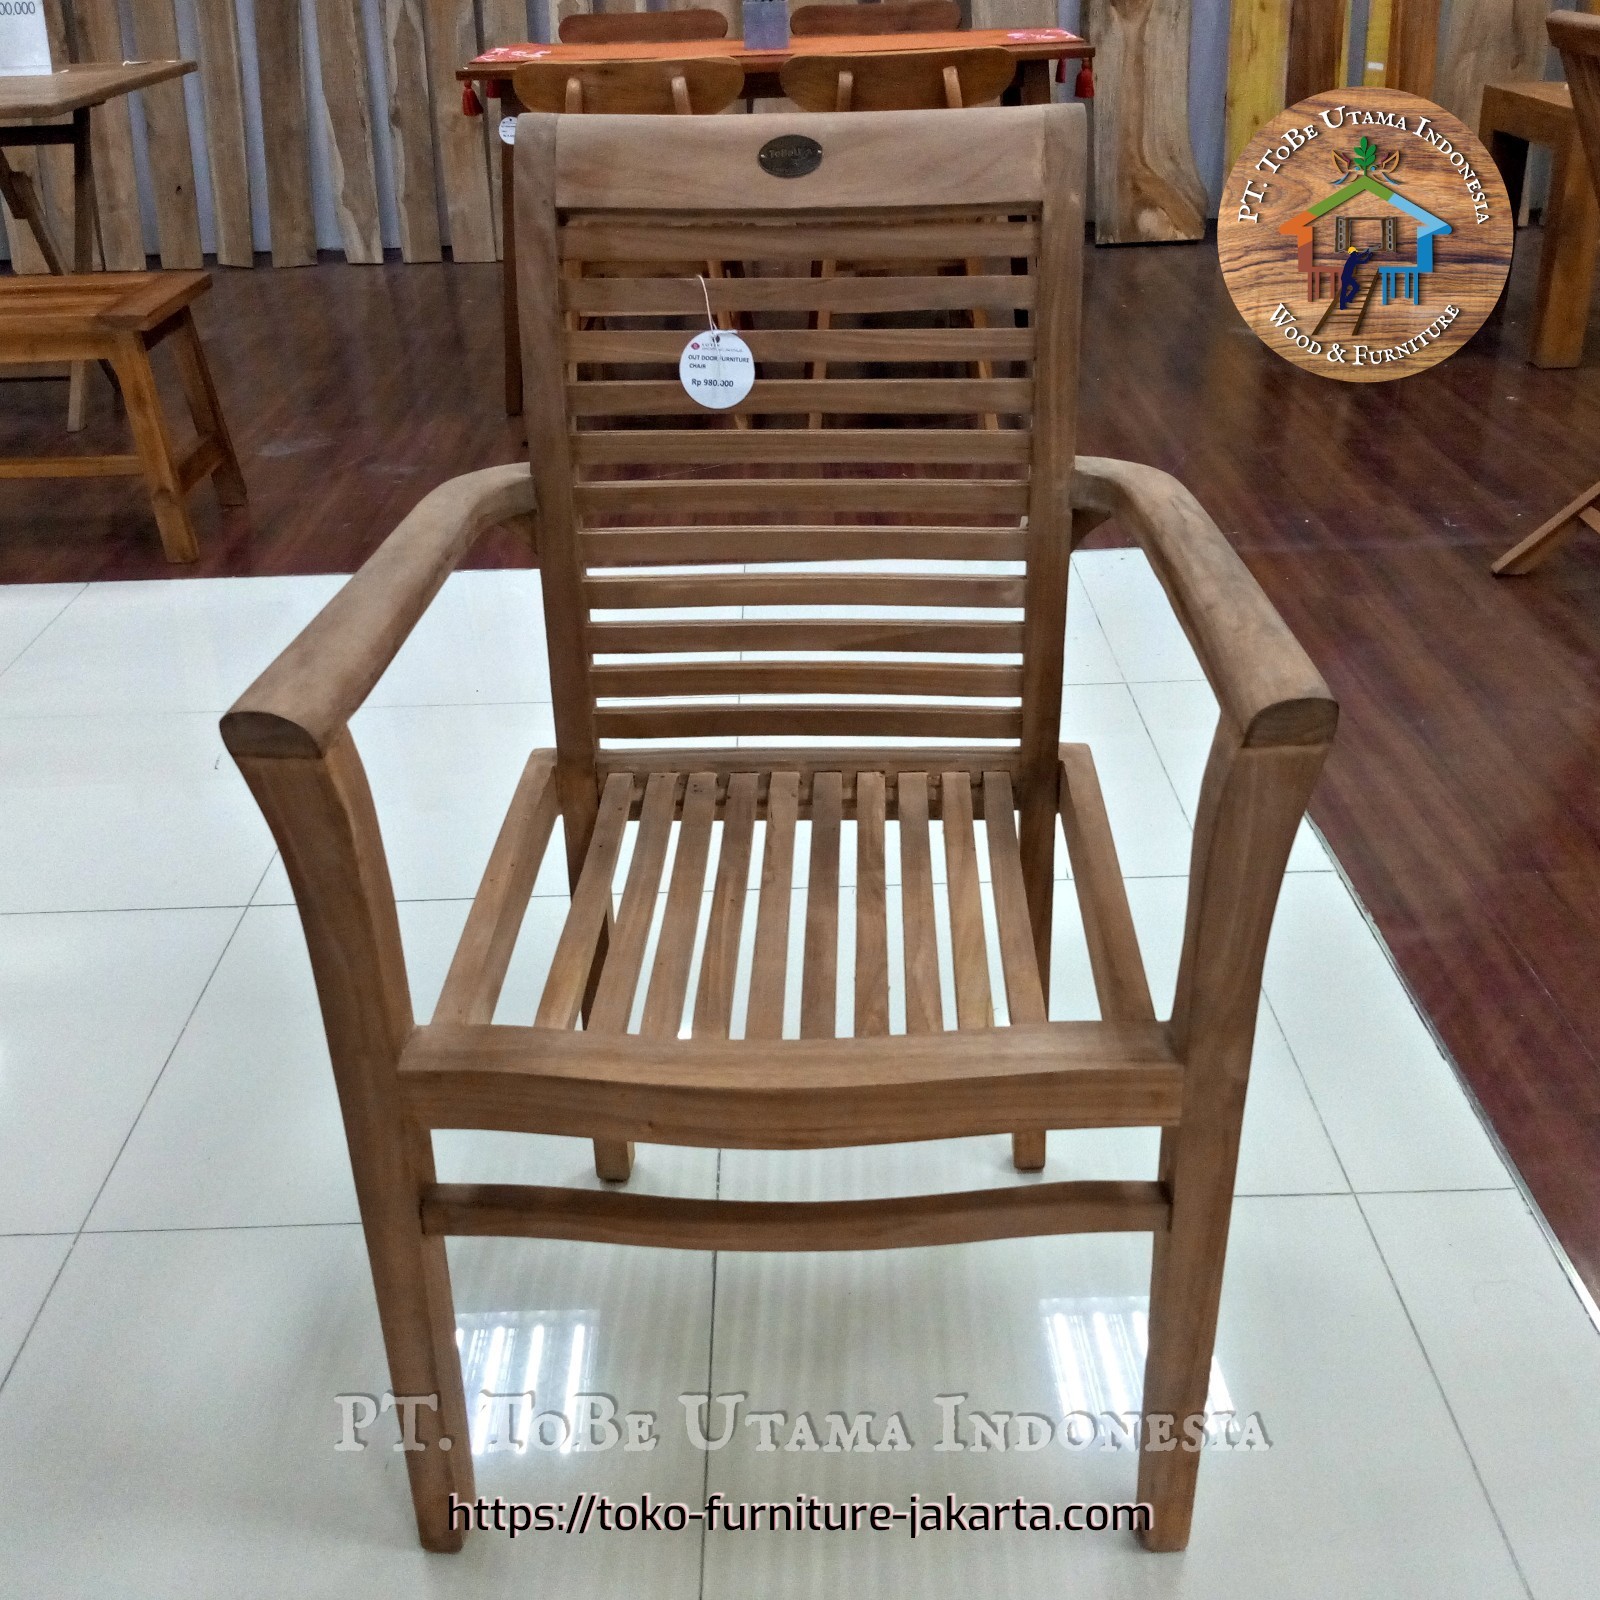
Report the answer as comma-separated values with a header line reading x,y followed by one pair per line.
x,y
27,107
1035,51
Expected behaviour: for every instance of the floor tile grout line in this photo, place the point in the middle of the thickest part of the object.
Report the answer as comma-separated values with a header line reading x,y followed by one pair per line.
x,y
1450,1410
1580,1289
66,607
138,1117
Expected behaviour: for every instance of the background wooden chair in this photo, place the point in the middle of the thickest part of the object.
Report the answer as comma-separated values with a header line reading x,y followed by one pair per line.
x,y
694,85
889,16
642,27
923,720
916,81
1577,37
910,81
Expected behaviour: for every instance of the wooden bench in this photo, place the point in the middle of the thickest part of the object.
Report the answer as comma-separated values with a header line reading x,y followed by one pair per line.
x,y
119,318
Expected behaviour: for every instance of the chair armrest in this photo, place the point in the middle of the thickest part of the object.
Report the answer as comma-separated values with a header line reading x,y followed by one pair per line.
x,y
1265,682
298,706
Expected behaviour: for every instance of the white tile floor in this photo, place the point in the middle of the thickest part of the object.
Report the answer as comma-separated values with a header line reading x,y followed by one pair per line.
x,y
183,1289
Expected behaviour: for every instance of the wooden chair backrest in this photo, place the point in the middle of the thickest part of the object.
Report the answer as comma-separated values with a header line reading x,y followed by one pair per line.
x,y
645,27
1577,36
631,473
917,80
890,16
630,88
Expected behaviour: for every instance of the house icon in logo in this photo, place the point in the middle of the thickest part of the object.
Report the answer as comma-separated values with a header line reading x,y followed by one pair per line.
x,y
1350,240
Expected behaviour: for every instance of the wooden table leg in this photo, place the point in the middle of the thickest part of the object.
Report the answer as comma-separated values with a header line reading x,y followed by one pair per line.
x,y
1566,261
83,231
508,279
1035,82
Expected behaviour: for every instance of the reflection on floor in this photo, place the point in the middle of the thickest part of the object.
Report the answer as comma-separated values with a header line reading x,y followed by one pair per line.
x,y
183,1290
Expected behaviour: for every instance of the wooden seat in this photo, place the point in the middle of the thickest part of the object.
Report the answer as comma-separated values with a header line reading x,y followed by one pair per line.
x,y
736,649
120,317
889,16
642,27
1565,272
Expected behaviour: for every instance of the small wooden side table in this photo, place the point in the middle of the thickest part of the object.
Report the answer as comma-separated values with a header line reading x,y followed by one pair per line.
x,y
1514,116
26,105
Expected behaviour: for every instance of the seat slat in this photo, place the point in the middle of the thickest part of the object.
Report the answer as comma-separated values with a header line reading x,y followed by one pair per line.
x,y
769,966
619,978
713,1007
1118,967
625,397
802,588
699,638
804,241
888,719
1025,999
651,297
478,968
666,345
872,928
631,547
591,908
669,978
969,947
819,981
924,1011
667,680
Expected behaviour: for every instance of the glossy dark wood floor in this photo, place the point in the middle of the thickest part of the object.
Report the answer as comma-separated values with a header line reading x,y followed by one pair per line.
x,y
1463,796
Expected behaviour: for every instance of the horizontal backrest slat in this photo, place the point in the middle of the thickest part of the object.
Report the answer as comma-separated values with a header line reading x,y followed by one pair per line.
x,y
686,297
687,547
665,679
799,589
799,396
614,345
607,240
730,498
956,638
887,720
801,446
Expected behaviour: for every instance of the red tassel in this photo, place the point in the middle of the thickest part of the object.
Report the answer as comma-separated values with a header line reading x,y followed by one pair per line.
x,y
471,105
1084,87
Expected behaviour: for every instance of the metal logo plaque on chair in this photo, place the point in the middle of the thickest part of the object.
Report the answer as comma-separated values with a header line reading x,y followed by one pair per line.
x,y
1365,234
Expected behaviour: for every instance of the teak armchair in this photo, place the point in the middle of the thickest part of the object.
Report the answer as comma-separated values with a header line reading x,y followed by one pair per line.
x,y
951,717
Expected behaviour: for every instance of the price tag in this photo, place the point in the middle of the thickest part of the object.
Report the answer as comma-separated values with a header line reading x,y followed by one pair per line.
x,y
717,369
508,130
24,42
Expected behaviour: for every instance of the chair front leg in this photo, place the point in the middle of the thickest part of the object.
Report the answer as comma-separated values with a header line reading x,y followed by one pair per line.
x,y
321,814
1251,803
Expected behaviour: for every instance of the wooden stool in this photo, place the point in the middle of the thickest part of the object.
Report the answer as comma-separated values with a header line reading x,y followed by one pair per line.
x,y
120,317
1514,116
